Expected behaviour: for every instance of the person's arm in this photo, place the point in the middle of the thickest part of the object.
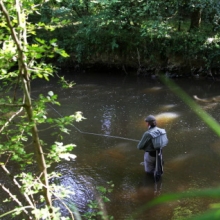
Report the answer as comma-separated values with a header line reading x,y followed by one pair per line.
x,y
145,138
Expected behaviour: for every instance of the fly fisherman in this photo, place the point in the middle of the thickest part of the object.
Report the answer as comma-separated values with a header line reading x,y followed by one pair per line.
x,y
152,142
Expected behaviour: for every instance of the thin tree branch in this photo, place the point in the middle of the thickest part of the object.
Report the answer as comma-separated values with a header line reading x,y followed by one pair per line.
x,y
14,210
45,129
14,198
30,201
11,105
13,33
61,202
11,118
72,217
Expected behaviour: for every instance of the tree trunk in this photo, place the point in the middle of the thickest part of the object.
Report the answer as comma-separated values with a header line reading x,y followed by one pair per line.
x,y
19,38
195,19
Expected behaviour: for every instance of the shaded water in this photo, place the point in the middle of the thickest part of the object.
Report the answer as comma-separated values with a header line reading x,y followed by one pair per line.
x,y
117,106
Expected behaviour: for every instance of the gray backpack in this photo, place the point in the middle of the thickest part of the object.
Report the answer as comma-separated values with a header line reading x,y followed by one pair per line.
x,y
159,137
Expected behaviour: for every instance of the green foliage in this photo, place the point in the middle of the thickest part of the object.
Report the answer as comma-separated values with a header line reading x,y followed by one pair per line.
x,y
97,208
111,32
59,151
65,84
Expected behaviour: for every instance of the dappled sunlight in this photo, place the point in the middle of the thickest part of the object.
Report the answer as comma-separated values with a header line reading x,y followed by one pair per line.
x,y
162,119
210,106
207,100
166,118
152,89
208,103
167,107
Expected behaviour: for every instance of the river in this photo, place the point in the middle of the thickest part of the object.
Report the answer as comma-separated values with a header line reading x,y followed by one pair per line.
x,y
115,108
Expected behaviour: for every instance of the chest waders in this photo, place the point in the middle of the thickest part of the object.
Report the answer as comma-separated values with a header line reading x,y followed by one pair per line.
x,y
158,172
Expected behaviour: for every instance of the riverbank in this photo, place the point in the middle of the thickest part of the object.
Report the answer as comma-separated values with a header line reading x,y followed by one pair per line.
x,y
173,71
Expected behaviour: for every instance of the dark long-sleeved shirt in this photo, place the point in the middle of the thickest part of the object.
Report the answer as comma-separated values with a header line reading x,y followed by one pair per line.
x,y
146,143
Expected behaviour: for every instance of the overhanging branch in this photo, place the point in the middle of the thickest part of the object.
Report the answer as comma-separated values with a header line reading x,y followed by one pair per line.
x,y
11,105
11,118
14,198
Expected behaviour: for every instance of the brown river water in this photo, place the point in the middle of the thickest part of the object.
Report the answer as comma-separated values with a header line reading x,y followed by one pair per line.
x,y
115,108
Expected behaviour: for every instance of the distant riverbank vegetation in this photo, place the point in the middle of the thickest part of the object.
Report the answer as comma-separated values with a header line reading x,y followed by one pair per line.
x,y
175,36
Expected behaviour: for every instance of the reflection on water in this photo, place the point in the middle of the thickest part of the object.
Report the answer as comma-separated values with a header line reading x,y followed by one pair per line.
x,y
108,113
117,106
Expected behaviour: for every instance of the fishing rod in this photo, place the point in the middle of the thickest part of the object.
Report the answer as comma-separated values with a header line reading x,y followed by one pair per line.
x,y
157,183
95,134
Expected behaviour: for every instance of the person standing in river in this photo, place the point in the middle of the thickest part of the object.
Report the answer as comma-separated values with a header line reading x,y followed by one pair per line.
x,y
153,147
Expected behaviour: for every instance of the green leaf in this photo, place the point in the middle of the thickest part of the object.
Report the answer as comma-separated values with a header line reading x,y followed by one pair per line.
x,y
40,40
39,75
